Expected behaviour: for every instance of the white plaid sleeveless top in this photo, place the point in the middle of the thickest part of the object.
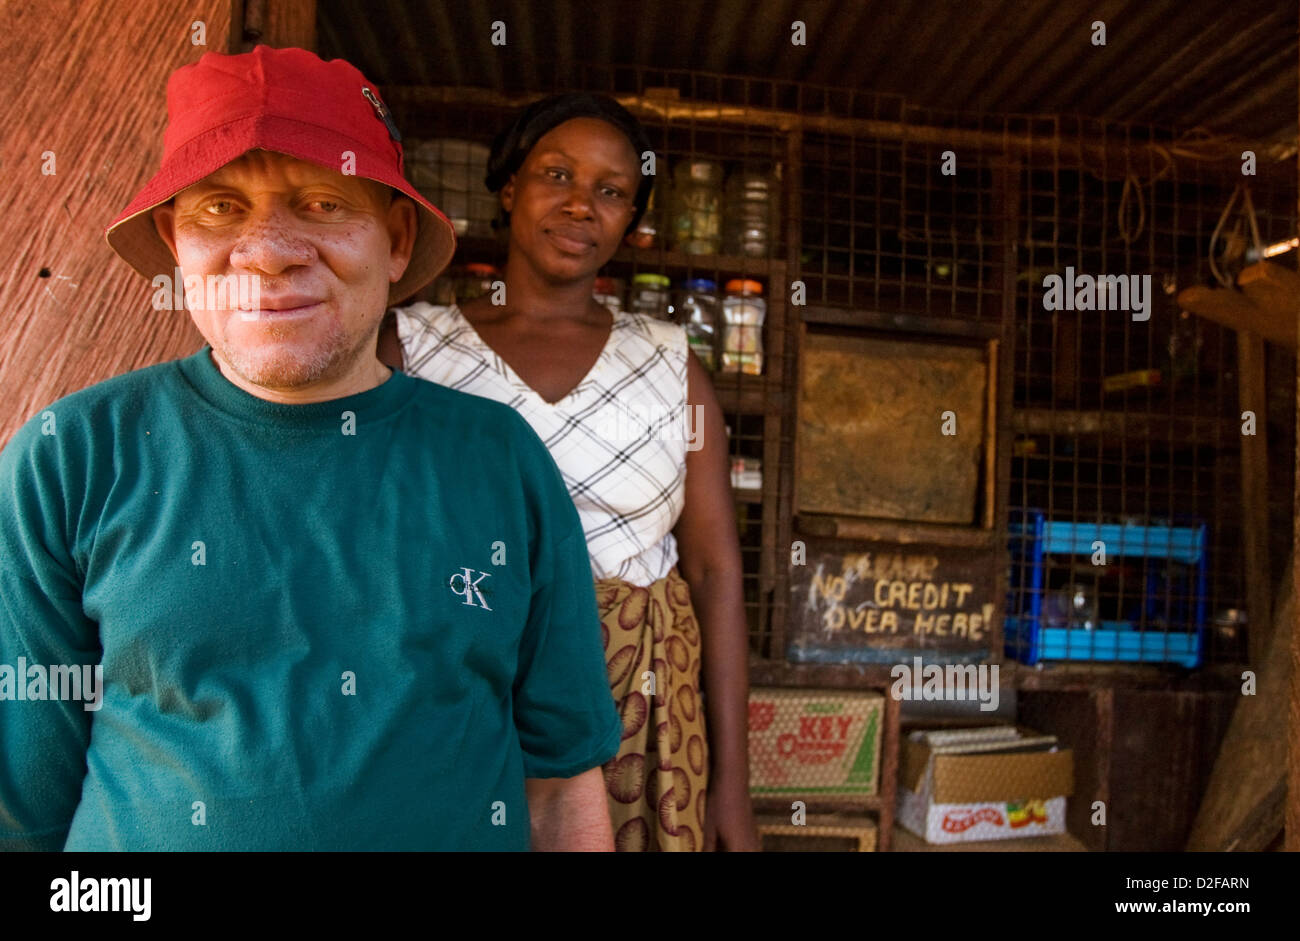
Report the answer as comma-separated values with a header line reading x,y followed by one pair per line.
x,y
619,438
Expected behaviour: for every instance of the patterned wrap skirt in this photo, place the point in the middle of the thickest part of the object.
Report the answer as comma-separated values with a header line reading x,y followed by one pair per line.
x,y
656,783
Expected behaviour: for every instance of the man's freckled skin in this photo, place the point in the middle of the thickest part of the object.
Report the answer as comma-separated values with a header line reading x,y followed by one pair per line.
x,y
310,237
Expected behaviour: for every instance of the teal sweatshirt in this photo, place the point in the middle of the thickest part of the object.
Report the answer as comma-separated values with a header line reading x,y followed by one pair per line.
x,y
354,624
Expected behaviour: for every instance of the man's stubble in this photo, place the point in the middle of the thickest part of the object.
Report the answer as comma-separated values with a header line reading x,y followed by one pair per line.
x,y
277,365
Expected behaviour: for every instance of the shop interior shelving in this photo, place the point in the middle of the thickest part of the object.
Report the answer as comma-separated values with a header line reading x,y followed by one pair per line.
x,y
861,298
845,290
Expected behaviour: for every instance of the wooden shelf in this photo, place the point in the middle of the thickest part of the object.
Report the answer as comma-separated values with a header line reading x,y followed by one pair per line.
x,y
1179,429
1053,677
416,104
733,266
748,494
885,317
471,248
904,533
767,804
900,306
828,675
907,842
1078,677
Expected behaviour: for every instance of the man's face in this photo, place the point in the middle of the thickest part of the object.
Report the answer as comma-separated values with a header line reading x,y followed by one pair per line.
x,y
320,250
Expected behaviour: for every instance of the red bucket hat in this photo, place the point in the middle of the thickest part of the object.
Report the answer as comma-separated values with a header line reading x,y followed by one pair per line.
x,y
283,100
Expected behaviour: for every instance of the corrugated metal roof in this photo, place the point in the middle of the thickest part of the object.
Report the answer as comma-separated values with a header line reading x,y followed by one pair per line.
x,y
1228,67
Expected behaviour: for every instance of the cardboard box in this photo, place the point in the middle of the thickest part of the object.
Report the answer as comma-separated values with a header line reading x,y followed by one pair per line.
x,y
821,834
955,798
814,744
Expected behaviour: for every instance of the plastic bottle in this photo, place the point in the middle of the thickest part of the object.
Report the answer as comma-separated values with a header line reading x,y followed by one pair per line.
x,y
698,311
475,281
743,312
649,295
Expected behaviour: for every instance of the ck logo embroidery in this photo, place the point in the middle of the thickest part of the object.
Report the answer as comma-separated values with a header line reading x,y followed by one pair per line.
x,y
469,587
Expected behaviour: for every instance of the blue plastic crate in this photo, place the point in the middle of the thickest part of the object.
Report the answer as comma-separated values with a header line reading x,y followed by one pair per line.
x,y
1033,538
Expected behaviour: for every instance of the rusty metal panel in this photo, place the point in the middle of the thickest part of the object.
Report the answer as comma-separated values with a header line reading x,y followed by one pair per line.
x,y
1225,67
891,429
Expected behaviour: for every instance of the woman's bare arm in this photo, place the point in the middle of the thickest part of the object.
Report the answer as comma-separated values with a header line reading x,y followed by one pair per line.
x,y
709,560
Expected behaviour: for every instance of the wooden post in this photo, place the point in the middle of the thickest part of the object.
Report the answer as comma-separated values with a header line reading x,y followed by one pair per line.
x,y
1251,396
1103,704
1242,806
1293,727
785,468
1006,209
888,789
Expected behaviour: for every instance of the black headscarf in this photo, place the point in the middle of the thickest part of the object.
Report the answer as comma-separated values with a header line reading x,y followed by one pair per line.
x,y
513,143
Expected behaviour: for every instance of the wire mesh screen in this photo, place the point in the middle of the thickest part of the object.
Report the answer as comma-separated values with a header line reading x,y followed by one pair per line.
x,y
1128,422
1124,519
710,253
1125,424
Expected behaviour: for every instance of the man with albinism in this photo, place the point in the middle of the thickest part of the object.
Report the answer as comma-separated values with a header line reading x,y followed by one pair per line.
x,y
335,606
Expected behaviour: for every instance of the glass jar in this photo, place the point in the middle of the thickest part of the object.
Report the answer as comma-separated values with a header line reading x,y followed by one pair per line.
x,y
751,212
651,230
697,207
475,281
697,310
609,291
743,312
1072,608
747,473
650,295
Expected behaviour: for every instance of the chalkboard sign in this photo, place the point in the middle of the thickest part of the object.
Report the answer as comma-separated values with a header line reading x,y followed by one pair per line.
x,y
880,602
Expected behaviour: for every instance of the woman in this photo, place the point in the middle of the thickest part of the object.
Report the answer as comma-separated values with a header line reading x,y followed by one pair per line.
x,y
657,511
